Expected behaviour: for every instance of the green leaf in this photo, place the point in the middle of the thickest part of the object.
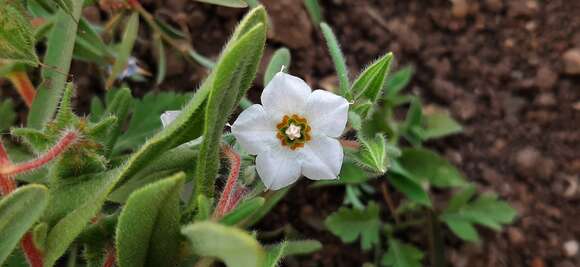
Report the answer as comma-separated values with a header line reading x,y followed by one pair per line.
x,y
276,252
7,114
125,49
271,200
337,59
243,211
203,208
371,81
373,154
402,255
398,81
231,245
411,188
161,61
280,59
440,124
274,255
349,224
18,212
227,3
462,213
314,11
16,34
66,5
144,121
231,79
148,229
57,60
426,165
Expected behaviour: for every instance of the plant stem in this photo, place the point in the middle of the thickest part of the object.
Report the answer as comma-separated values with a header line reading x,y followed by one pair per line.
x,y
227,196
23,85
110,258
389,201
63,144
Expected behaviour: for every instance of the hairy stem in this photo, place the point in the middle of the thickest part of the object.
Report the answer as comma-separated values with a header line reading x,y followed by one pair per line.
x,y
33,254
63,144
110,258
227,196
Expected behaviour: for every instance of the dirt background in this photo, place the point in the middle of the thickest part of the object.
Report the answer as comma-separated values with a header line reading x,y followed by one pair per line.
x,y
508,70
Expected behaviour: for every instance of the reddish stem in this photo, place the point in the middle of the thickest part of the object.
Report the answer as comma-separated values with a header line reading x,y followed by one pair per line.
x,y
110,258
23,85
236,198
350,143
63,144
235,163
33,255
7,184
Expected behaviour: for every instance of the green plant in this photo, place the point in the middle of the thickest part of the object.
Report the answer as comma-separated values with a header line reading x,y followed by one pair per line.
x,y
111,188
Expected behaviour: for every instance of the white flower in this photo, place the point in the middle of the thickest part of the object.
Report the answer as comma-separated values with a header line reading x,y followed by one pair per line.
x,y
293,132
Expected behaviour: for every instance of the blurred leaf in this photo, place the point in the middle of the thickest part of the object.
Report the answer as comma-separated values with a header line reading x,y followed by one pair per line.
x,y
125,49
397,81
373,154
411,188
18,212
243,211
275,253
426,165
7,114
371,81
144,121
57,60
349,224
65,5
16,34
402,255
148,230
337,59
227,3
314,11
231,245
232,77
270,203
280,59
161,63
350,174
440,124
486,210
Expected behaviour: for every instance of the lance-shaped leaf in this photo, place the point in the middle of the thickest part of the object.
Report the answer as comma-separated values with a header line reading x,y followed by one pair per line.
x,y
148,228
243,211
314,11
397,81
16,35
438,125
18,212
125,49
337,59
402,255
349,224
228,3
280,61
426,165
7,114
231,245
232,77
371,81
57,60
373,155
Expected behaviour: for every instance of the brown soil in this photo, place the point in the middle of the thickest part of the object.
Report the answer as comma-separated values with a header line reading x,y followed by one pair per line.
x,y
497,65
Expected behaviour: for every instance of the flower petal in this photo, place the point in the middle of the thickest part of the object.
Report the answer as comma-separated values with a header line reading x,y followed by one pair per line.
x,y
278,167
254,130
169,116
321,158
285,95
327,113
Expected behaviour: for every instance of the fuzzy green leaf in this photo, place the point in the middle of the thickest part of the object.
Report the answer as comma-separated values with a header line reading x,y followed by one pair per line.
x,y
371,81
373,154
287,248
462,213
125,49
148,228
57,60
227,3
242,212
232,77
280,59
438,125
161,59
231,245
349,224
16,35
411,188
402,255
337,59
270,203
397,81
118,107
314,11
7,114
426,165
18,212
274,255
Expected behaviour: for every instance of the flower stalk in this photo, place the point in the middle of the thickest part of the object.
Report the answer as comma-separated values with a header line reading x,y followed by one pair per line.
x,y
230,197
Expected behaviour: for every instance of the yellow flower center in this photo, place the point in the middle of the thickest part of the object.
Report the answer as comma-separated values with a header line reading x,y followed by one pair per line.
x,y
293,131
